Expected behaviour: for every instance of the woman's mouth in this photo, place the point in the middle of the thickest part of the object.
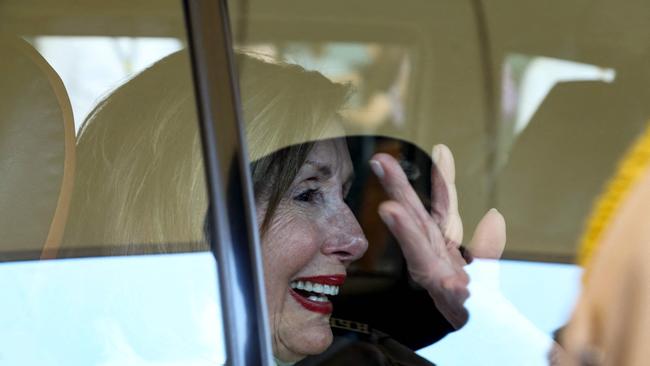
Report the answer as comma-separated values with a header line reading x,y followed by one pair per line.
x,y
313,292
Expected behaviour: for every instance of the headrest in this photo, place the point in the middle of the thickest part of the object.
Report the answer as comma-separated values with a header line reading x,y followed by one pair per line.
x,y
36,153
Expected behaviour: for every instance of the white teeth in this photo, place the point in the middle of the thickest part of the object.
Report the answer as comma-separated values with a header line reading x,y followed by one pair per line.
x,y
315,287
317,298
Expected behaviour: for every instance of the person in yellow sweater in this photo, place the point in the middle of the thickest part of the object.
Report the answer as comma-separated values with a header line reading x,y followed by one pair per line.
x,y
611,322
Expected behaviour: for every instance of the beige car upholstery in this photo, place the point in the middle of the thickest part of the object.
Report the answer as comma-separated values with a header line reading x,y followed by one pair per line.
x,y
37,153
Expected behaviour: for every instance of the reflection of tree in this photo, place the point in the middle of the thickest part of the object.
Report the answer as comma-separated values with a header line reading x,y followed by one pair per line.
x,y
379,73
382,89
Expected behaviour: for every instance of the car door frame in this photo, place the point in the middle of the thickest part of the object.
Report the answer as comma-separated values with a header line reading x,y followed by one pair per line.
x,y
231,223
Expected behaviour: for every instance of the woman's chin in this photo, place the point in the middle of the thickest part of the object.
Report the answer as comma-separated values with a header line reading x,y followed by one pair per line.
x,y
312,340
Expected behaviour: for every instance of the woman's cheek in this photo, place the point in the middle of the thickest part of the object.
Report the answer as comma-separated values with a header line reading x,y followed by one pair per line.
x,y
292,240
305,235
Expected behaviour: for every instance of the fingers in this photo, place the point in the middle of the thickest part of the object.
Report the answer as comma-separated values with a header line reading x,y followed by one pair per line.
x,y
450,298
466,253
418,251
490,236
455,296
435,267
444,198
433,261
394,181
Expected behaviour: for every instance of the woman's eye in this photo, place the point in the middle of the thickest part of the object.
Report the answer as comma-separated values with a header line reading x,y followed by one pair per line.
x,y
309,195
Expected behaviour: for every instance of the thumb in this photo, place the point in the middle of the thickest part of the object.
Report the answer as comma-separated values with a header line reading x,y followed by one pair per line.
x,y
489,238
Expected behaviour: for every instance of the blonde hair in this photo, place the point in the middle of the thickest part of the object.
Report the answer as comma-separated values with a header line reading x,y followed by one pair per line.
x,y
141,185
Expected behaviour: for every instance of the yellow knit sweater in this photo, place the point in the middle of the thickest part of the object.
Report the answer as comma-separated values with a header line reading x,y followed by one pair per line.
x,y
634,163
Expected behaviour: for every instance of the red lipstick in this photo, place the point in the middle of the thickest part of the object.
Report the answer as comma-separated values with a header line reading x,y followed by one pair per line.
x,y
321,307
315,306
335,280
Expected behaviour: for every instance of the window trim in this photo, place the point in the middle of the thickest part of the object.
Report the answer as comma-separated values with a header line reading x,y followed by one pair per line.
x,y
232,222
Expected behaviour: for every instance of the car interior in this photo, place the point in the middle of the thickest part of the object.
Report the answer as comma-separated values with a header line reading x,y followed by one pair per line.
x,y
38,149
458,89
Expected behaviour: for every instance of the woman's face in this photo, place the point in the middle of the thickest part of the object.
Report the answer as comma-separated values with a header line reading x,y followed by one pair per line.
x,y
312,238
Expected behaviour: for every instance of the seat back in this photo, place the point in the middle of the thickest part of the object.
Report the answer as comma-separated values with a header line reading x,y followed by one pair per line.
x,y
37,153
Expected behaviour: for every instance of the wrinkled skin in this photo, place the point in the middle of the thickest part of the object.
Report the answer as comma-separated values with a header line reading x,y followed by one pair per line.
x,y
314,233
430,241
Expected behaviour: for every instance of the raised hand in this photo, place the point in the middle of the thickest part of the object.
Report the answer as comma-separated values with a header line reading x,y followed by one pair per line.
x,y
431,242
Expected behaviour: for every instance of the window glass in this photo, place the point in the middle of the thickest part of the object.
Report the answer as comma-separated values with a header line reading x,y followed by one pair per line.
x,y
104,258
578,107
91,66
103,249
533,109
379,74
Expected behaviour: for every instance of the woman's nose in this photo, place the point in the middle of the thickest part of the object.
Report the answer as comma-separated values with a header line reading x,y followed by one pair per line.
x,y
344,239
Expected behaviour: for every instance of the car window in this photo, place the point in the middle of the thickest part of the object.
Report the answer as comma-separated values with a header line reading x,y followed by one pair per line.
x,y
105,259
532,108
568,96
105,255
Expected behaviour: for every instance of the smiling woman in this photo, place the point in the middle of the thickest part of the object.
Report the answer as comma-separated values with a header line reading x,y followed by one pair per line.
x,y
137,194
140,190
311,239
140,183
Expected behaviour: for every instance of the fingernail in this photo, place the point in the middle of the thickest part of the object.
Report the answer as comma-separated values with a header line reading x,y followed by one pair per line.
x,y
387,218
376,168
444,162
436,154
494,210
